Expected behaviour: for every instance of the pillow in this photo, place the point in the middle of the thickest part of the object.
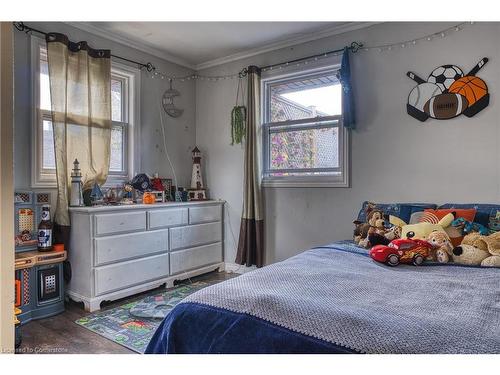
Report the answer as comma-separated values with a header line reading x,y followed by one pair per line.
x,y
401,210
455,234
483,210
494,220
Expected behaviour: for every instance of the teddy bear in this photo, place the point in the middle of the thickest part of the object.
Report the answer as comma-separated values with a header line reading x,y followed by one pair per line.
x,y
360,234
377,234
442,247
476,250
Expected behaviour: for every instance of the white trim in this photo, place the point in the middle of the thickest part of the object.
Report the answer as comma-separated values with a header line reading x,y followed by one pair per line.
x,y
343,179
297,39
92,29
38,179
323,33
133,138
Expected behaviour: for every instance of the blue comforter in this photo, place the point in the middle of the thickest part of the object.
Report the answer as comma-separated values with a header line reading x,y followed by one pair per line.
x,y
335,299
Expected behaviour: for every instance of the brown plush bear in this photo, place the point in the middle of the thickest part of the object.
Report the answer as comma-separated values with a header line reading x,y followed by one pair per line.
x,y
361,229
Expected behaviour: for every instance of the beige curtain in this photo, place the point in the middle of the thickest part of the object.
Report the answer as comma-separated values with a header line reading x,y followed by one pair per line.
x,y
80,89
251,242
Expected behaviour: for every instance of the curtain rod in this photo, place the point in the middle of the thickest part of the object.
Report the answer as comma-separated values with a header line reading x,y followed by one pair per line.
x,y
354,47
27,29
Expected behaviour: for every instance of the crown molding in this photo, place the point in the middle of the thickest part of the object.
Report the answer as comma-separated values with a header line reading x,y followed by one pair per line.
x,y
298,39
129,43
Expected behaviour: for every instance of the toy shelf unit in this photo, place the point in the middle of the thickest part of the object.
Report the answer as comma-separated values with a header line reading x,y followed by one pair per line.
x,y
39,284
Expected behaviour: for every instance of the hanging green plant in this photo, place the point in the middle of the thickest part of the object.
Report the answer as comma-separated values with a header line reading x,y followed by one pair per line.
x,y
238,117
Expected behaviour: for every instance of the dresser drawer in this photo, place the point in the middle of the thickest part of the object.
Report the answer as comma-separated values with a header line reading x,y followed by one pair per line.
x,y
185,260
167,218
120,222
133,272
195,235
126,246
204,214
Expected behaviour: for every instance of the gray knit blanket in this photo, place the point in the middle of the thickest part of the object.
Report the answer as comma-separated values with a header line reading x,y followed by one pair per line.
x,y
340,295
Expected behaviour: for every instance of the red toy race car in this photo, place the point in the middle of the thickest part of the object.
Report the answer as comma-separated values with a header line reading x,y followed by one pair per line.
x,y
402,251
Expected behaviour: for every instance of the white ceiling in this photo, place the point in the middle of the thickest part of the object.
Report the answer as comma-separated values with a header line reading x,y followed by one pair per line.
x,y
199,45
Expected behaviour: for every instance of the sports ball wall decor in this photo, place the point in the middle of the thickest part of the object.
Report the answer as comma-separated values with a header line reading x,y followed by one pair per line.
x,y
447,93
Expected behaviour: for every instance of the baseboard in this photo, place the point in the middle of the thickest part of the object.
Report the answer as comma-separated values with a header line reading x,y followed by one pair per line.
x,y
238,268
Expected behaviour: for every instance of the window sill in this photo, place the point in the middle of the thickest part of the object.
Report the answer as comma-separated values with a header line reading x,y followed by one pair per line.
x,y
327,182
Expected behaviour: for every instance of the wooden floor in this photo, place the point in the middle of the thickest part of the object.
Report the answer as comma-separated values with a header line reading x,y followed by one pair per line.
x,y
60,333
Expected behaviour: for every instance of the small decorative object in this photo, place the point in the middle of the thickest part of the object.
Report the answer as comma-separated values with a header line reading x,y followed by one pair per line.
x,y
238,117
96,196
167,187
402,251
28,210
141,182
156,183
76,197
159,196
447,93
148,198
168,102
127,194
44,234
197,192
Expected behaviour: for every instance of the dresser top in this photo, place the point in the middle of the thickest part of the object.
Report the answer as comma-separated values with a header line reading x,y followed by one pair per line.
x,y
125,207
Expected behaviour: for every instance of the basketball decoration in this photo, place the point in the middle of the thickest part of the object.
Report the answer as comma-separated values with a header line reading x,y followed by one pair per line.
x,y
476,92
447,93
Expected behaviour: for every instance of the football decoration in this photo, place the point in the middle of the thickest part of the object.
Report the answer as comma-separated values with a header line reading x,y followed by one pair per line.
x,y
445,106
447,93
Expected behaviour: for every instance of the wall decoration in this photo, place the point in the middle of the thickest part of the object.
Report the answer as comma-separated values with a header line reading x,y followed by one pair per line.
x,y
447,93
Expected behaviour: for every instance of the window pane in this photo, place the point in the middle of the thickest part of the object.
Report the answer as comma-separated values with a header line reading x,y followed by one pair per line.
x,y
48,157
305,98
44,82
116,100
302,149
117,144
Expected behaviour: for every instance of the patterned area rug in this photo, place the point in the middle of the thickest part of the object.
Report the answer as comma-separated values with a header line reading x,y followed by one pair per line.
x,y
133,324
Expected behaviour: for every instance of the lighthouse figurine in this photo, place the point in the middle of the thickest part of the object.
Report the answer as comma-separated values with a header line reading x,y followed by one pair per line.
x,y
76,198
197,192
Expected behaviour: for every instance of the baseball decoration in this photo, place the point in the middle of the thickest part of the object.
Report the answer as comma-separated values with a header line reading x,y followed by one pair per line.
x,y
447,93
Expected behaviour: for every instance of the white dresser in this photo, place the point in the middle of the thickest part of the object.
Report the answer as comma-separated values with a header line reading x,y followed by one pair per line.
x,y
117,251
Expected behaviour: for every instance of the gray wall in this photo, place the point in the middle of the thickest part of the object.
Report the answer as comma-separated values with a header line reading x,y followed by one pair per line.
x,y
180,132
394,157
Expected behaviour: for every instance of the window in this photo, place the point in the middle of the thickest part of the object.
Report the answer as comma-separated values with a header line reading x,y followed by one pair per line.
x,y
304,141
125,83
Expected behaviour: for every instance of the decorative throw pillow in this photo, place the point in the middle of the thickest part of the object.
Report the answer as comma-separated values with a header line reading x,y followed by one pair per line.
x,y
455,234
494,222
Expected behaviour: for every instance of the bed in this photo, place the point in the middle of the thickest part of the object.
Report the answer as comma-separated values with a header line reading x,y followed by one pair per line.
x,y
335,299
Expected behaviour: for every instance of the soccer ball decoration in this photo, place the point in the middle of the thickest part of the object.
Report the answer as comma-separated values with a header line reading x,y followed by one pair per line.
x,y
445,75
447,93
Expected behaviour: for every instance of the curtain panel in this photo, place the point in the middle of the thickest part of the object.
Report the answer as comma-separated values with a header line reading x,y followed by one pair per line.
x,y
251,241
80,89
349,120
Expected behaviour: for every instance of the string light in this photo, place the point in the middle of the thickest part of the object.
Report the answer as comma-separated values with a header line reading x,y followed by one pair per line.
x,y
379,48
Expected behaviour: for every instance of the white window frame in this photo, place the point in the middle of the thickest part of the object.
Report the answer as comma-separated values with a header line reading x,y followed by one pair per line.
x,y
342,179
46,178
